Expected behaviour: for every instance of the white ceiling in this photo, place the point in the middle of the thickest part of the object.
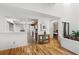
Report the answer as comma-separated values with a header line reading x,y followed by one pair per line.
x,y
21,10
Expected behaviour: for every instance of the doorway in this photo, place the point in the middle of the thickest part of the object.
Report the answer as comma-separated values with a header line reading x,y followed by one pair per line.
x,y
55,30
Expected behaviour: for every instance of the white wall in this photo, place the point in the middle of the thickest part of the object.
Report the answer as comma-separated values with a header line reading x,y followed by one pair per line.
x,y
70,45
44,22
12,40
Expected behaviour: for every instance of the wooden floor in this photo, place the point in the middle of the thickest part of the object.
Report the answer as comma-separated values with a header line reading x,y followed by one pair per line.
x,y
52,48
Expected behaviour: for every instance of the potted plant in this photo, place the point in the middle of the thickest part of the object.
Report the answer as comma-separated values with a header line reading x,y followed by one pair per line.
x,y
76,34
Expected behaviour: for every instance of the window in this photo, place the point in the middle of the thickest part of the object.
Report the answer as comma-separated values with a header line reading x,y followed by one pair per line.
x,y
65,29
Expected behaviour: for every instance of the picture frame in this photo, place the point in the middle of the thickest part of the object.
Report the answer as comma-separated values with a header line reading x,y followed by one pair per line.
x,y
42,27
